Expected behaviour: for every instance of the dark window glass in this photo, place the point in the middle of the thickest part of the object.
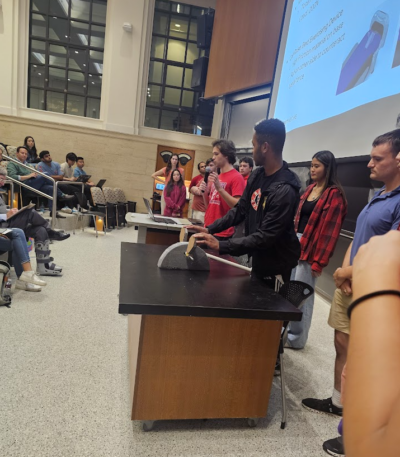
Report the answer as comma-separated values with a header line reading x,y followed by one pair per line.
x,y
66,56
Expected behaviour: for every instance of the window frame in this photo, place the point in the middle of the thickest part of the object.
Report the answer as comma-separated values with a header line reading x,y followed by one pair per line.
x,y
68,45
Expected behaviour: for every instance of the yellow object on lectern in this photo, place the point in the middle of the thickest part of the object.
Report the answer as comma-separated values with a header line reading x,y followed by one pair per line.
x,y
99,224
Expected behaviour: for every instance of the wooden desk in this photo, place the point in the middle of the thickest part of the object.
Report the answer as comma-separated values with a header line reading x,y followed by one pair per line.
x,y
201,344
151,232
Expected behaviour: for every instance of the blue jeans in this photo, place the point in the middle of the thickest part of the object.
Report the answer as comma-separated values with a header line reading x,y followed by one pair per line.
x,y
20,253
44,185
298,331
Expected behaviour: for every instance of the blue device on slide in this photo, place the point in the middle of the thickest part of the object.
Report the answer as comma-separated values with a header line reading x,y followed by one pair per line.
x,y
361,61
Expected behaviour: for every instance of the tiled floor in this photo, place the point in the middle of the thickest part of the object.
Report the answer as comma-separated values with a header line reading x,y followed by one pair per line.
x,y
64,375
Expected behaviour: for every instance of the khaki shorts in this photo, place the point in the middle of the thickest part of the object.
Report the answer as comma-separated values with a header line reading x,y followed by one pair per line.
x,y
338,315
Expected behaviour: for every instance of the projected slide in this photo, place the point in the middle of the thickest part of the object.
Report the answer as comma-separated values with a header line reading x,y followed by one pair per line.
x,y
339,55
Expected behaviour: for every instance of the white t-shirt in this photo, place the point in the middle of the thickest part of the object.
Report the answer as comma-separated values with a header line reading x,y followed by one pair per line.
x,y
66,170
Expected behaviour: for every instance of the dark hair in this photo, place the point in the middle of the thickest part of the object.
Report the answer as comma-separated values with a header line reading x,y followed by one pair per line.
x,y
32,152
273,132
79,158
169,164
71,156
198,165
227,148
43,153
208,161
328,160
392,138
22,147
171,182
247,160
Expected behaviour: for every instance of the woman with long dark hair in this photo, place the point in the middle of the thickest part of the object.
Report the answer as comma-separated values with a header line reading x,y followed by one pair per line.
x,y
318,222
173,163
30,145
174,195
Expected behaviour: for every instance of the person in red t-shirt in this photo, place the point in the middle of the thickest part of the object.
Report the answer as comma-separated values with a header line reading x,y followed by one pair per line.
x,y
198,206
246,167
223,191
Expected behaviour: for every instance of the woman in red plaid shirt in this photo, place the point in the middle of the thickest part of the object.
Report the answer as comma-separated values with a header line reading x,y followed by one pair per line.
x,y
318,222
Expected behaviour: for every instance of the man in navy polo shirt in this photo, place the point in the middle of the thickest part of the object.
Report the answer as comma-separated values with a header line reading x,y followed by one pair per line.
x,y
381,215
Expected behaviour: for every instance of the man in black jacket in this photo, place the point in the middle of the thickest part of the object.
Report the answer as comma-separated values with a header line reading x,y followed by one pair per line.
x,y
268,207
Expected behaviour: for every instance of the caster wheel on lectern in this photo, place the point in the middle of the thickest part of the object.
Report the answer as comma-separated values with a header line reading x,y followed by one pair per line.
x,y
251,422
148,426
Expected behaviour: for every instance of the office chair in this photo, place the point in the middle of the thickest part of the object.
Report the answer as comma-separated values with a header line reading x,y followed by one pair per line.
x,y
295,292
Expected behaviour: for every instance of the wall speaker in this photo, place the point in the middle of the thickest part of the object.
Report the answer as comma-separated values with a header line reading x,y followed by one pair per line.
x,y
205,24
199,75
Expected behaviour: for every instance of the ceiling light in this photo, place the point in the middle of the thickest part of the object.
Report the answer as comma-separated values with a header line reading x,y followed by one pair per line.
x,y
178,8
92,82
34,66
84,65
76,52
69,79
177,25
40,74
66,36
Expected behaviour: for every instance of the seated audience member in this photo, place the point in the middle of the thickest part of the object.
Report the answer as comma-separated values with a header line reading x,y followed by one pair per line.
x,y
27,280
66,167
79,171
173,162
246,167
318,222
53,169
198,207
380,215
29,144
175,195
372,396
31,178
268,204
223,191
36,227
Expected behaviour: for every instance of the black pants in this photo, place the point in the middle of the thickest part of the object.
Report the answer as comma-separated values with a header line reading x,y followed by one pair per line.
x,y
32,223
69,189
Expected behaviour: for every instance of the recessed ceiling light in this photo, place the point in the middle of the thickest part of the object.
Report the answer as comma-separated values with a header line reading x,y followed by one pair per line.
x,y
66,36
34,66
76,52
69,79
177,25
92,82
40,74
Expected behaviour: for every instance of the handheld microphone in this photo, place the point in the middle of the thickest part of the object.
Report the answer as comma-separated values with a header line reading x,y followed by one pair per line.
x,y
207,174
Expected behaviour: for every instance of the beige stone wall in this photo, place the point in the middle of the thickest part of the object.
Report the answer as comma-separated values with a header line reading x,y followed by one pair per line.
x,y
126,161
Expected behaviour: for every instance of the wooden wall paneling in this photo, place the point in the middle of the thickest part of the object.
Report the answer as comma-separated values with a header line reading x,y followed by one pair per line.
x,y
244,45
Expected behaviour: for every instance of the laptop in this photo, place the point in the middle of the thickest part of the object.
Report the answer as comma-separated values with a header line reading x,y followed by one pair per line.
x,y
101,183
164,220
83,178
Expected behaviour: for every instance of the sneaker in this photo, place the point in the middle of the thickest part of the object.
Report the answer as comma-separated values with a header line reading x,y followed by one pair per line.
x,y
277,371
29,287
322,406
66,210
75,211
31,277
334,447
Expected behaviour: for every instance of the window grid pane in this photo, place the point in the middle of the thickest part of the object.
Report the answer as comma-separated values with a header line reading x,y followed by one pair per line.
x,y
66,56
171,104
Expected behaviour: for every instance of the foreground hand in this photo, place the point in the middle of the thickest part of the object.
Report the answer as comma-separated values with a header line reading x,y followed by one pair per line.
x,y
206,239
214,179
346,287
196,228
377,264
33,175
11,212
